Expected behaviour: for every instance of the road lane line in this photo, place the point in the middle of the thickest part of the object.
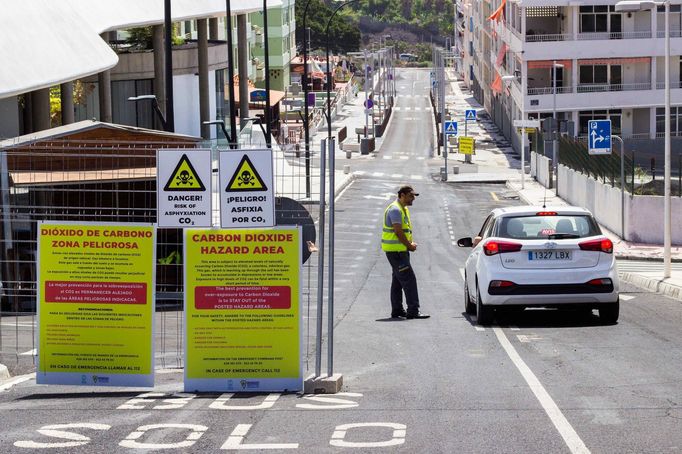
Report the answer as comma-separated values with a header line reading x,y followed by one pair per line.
x,y
570,436
494,196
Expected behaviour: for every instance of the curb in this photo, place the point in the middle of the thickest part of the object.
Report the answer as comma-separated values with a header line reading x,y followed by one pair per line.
x,y
653,285
4,372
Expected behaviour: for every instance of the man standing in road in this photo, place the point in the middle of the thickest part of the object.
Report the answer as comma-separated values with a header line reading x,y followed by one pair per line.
x,y
396,241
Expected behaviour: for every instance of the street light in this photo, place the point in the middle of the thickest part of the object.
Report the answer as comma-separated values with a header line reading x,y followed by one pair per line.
x,y
222,126
305,102
155,106
630,6
329,73
555,124
509,79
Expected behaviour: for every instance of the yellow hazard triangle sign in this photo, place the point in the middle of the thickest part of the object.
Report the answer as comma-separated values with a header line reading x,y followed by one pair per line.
x,y
184,177
246,178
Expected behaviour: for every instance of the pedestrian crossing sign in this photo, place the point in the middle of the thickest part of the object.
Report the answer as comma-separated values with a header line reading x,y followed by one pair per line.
x,y
184,177
470,114
246,178
451,128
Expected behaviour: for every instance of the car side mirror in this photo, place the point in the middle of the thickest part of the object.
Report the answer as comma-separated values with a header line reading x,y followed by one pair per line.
x,y
465,242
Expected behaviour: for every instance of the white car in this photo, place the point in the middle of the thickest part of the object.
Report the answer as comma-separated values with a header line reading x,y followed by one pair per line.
x,y
528,256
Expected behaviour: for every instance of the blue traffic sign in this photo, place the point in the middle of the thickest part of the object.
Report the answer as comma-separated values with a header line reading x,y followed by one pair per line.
x,y
451,128
599,137
470,114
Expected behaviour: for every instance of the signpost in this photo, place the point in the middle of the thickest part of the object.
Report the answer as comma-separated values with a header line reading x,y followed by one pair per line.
x,y
246,189
599,137
95,304
183,187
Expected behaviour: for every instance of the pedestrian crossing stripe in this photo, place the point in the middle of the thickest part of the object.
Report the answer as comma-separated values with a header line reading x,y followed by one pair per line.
x,y
184,177
246,178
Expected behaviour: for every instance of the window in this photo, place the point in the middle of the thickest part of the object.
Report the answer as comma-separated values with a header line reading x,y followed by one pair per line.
x,y
594,74
614,115
600,19
124,112
675,120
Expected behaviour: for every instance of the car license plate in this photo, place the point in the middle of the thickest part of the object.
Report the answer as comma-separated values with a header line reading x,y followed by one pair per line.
x,y
549,255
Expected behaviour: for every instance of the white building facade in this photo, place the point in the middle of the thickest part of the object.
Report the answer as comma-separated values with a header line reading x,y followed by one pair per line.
x,y
582,59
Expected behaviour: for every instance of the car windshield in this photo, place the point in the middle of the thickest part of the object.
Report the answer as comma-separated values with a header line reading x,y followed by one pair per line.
x,y
548,227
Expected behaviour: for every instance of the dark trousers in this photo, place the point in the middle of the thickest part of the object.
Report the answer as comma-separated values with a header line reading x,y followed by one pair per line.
x,y
404,280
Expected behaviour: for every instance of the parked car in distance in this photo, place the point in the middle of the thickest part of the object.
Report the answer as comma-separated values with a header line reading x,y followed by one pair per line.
x,y
527,256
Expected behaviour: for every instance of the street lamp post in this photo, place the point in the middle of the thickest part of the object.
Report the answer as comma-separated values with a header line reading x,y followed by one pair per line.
x,y
155,106
305,103
637,5
555,124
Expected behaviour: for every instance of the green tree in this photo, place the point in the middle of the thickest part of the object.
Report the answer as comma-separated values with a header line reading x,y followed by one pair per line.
x,y
344,33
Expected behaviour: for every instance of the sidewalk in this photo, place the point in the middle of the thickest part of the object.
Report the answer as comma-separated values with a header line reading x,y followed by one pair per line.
x,y
500,163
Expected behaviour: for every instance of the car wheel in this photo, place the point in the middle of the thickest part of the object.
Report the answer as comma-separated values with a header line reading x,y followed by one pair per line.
x,y
608,313
484,314
469,307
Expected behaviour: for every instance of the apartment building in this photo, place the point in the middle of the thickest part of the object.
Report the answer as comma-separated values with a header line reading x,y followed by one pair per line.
x,y
582,59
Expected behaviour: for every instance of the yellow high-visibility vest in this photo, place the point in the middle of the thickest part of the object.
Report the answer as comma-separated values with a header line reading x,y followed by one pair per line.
x,y
389,240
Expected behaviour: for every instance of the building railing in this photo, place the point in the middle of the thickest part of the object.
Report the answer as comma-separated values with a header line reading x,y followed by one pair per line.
x,y
673,84
532,36
594,88
542,37
673,33
548,90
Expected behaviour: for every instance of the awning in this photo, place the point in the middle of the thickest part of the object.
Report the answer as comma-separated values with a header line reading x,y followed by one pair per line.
x,y
614,61
501,54
547,64
48,42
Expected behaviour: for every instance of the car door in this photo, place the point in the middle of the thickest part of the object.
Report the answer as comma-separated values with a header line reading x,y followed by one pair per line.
x,y
472,261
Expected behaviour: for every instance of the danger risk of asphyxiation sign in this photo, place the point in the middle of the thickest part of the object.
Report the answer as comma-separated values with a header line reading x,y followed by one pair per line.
x,y
246,189
183,188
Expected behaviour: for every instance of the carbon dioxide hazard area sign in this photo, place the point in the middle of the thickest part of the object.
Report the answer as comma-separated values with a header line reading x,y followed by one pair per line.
x,y
183,185
246,189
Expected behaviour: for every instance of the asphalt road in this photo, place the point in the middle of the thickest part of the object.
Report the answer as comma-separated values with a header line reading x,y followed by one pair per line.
x,y
540,381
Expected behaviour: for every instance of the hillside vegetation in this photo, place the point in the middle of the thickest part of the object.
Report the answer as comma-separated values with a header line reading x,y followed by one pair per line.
x,y
410,25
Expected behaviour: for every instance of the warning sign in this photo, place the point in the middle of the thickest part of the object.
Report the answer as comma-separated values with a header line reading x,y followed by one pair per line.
x,y
242,310
467,145
246,182
184,177
246,178
184,188
95,304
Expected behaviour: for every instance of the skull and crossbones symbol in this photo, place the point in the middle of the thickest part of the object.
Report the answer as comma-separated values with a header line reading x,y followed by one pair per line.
x,y
246,178
184,177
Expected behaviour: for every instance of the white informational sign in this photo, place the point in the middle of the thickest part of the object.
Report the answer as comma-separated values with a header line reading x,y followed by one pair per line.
x,y
247,196
183,188
526,123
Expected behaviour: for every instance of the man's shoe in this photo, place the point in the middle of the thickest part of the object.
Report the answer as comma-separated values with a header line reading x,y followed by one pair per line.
x,y
402,314
417,315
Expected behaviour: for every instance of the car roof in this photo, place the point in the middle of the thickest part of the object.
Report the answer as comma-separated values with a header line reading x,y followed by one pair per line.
x,y
529,210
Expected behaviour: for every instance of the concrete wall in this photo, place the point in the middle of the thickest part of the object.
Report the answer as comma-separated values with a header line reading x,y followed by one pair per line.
x,y
643,214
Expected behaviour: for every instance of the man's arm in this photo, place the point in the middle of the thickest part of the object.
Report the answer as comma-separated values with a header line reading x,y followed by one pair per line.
x,y
398,229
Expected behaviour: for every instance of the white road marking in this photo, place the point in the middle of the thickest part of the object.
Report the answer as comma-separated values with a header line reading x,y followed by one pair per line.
x,y
234,441
571,438
626,297
339,435
526,338
461,272
29,353
378,174
416,177
196,431
55,431
479,328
